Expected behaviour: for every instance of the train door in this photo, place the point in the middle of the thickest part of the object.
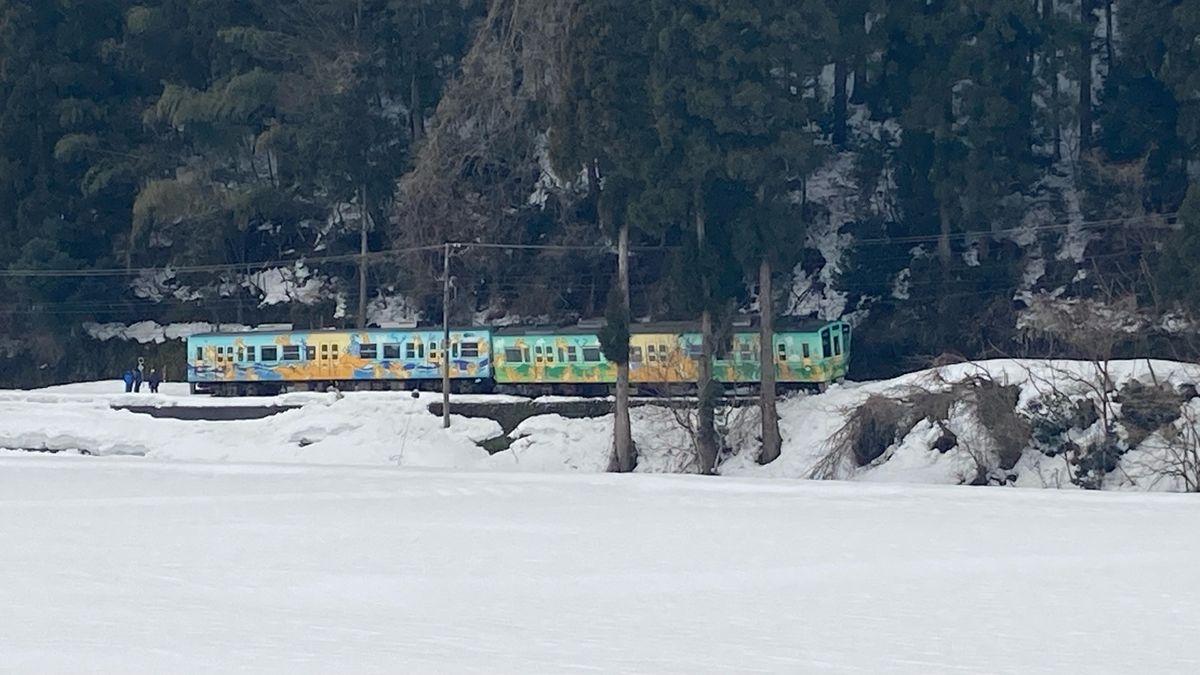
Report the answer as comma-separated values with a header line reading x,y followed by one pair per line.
x,y
327,359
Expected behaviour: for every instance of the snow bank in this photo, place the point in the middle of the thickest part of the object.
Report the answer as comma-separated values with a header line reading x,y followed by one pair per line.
x,y
357,429
394,429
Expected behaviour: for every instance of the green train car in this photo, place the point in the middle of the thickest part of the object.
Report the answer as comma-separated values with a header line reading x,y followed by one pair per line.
x,y
665,355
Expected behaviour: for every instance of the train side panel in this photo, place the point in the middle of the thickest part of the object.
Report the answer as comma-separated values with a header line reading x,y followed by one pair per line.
x,y
301,356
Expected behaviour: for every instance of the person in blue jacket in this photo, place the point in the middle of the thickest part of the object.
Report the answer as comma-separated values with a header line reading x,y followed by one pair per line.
x,y
128,377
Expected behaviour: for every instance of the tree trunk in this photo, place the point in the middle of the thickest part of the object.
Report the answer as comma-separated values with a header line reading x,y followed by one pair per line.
x,y
858,95
1085,76
771,441
943,243
416,115
1108,36
362,261
624,453
1051,73
706,432
839,103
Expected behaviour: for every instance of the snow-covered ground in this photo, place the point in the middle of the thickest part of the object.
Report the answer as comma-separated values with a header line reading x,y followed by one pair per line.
x,y
393,429
128,565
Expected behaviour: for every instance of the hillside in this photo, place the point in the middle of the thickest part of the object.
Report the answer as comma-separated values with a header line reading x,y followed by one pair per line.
x,y
990,179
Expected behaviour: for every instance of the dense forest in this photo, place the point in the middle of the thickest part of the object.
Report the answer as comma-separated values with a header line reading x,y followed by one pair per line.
x,y
956,177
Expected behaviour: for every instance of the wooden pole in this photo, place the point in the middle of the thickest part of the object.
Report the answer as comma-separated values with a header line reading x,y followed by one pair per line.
x,y
446,337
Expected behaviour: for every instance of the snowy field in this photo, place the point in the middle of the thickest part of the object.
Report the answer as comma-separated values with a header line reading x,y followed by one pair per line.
x,y
134,565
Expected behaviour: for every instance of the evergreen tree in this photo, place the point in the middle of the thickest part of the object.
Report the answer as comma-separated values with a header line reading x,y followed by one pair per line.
x,y
604,128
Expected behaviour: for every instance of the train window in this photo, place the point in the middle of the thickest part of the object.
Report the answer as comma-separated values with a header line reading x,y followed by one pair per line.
x,y
310,353
241,354
470,350
781,351
513,355
537,354
410,350
804,348
454,350
391,351
635,354
270,353
591,354
652,353
368,350
695,350
333,352
837,345
846,335
746,351
571,354
199,353
826,345
291,352
250,354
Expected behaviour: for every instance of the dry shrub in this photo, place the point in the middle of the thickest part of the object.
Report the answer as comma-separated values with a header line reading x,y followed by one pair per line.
x,y
881,421
996,406
870,429
1147,408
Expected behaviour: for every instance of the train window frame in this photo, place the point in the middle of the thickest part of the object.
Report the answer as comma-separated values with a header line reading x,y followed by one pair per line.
x,y
199,353
470,349
410,350
651,353
781,351
572,353
391,351
695,350
593,352
269,353
837,344
251,354
290,353
826,344
368,350
745,351
805,350
635,355
241,354
514,355
310,353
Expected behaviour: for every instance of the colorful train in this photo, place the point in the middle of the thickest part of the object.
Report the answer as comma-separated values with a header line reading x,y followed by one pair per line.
x,y
521,360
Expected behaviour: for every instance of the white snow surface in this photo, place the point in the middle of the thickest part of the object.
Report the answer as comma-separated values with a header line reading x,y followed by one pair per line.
x,y
393,429
123,565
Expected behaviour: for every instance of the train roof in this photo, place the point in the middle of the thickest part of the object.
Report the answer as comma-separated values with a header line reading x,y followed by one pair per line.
x,y
332,331
582,328
641,328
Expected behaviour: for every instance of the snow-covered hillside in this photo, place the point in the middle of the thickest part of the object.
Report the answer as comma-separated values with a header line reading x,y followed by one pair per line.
x,y
122,565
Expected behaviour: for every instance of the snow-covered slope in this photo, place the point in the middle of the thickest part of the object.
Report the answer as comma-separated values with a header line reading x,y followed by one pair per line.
x,y
394,429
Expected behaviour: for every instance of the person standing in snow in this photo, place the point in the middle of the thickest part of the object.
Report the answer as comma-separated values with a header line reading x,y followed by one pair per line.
x,y
154,381
137,379
128,377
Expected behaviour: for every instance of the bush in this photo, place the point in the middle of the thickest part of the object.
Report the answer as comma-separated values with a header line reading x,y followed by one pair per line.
x,y
1146,408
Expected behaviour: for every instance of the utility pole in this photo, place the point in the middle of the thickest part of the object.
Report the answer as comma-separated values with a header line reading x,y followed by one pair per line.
x,y
446,337
362,261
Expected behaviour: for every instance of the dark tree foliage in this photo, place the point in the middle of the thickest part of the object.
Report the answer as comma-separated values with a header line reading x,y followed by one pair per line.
x,y
155,133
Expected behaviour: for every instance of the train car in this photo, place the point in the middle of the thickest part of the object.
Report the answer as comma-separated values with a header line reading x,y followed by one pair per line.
x,y
269,362
569,360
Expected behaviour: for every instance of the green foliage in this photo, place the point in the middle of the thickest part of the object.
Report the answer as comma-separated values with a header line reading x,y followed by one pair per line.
x,y
614,336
